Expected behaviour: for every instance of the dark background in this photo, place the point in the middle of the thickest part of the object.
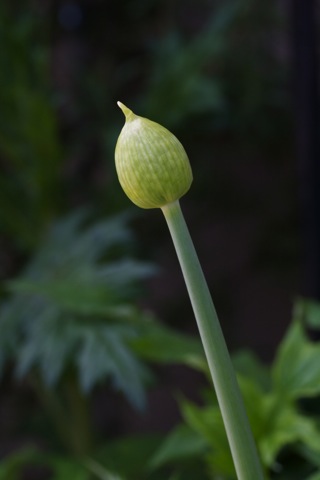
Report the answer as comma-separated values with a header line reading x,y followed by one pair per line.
x,y
237,84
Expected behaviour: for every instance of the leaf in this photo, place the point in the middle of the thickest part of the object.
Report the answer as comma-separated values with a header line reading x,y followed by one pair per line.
x,y
49,343
287,427
296,370
84,298
248,365
67,271
104,353
74,304
12,465
275,422
65,468
308,312
128,455
181,444
31,180
99,471
208,423
70,249
312,456
163,345
178,76
315,476
259,405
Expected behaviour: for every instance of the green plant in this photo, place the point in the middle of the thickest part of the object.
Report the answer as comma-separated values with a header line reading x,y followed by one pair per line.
x,y
71,322
60,467
222,78
30,147
154,171
282,405
61,298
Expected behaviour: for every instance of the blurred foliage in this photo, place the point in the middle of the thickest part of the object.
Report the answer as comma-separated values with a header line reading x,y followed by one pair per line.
x,y
282,404
286,429
204,69
74,306
71,316
71,322
60,468
178,77
30,149
69,310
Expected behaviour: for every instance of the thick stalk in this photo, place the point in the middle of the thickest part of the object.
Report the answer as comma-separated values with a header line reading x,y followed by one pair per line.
x,y
235,419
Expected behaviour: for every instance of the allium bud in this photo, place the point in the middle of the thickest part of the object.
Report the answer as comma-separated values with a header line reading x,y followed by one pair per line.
x,y
152,165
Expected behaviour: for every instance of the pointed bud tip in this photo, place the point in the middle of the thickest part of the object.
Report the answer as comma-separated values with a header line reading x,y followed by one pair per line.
x,y
126,111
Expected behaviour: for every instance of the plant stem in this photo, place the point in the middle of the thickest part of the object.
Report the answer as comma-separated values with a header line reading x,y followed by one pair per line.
x,y
68,412
242,445
79,417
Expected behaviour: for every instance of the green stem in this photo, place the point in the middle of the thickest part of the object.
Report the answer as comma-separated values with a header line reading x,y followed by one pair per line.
x,y
243,449
79,417
68,412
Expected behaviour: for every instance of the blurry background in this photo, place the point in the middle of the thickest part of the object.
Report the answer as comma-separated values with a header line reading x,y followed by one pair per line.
x,y
236,81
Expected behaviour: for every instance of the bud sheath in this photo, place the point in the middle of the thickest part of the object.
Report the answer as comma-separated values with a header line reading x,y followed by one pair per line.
x,y
152,165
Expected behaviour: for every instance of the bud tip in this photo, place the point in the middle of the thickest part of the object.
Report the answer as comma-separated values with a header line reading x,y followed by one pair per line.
x,y
126,111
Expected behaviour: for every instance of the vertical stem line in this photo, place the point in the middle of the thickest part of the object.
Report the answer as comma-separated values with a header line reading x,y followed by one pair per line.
x,y
242,445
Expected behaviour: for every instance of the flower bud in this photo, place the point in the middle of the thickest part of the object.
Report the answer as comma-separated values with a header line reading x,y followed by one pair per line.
x,y
152,165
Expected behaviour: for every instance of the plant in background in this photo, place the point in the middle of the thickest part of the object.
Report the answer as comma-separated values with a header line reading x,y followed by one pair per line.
x,y
154,172
47,146
282,401
70,324
75,311
30,147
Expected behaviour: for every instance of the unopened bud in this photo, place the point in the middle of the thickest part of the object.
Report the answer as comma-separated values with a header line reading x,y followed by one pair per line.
x,y
152,165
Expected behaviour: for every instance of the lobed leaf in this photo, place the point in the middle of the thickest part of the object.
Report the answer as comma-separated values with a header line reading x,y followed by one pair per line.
x,y
182,443
162,345
296,370
104,353
73,306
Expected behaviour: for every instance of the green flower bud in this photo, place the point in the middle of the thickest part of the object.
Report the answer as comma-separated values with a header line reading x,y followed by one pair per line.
x,y
152,165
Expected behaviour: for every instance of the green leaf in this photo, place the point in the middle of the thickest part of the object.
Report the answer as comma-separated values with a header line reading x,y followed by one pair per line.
x,y
315,476
275,421
83,298
163,345
249,366
99,471
128,455
287,427
312,456
104,352
207,422
12,465
98,285
65,468
178,76
48,344
308,311
74,304
30,186
259,405
181,444
296,371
